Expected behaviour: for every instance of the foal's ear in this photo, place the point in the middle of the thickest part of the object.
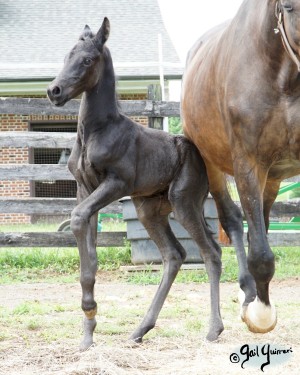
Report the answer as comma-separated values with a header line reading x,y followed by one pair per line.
x,y
87,33
103,34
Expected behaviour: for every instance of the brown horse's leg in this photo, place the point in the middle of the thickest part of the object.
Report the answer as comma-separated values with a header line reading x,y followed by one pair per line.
x,y
153,213
231,219
187,196
260,315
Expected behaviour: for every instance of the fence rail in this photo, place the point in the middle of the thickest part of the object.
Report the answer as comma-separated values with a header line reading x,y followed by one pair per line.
x,y
108,239
47,206
64,206
57,239
148,108
37,139
34,172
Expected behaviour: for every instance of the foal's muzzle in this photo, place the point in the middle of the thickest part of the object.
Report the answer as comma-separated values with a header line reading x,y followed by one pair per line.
x,y
54,93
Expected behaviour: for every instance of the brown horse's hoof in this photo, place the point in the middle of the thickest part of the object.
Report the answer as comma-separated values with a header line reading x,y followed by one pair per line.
x,y
259,317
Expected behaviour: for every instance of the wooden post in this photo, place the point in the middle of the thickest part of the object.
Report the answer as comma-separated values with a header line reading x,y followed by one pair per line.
x,y
154,93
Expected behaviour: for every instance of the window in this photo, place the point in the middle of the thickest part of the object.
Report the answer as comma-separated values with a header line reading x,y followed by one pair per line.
x,y
59,188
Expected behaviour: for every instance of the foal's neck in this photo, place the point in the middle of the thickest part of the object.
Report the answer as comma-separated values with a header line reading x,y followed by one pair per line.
x,y
99,106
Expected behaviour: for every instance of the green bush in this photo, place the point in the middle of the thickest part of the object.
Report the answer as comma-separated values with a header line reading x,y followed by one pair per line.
x,y
175,126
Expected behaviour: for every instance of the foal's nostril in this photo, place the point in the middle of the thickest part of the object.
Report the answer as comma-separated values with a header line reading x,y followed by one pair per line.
x,y
56,91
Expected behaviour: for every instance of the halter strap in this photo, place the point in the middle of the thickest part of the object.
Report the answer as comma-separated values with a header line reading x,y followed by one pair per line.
x,y
285,41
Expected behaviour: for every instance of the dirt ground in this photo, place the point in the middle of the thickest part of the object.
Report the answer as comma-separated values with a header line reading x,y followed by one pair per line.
x,y
174,347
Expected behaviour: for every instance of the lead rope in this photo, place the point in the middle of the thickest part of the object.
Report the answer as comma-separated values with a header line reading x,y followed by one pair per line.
x,y
280,29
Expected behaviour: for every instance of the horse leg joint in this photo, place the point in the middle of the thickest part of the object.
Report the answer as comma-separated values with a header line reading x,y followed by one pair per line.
x,y
77,222
90,314
262,266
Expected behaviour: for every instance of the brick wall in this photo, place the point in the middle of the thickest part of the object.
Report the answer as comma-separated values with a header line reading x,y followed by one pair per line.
x,y
10,155
140,119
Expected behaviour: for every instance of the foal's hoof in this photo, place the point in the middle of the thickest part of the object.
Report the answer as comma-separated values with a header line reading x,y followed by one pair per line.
x,y
131,343
135,340
259,317
89,326
86,344
214,334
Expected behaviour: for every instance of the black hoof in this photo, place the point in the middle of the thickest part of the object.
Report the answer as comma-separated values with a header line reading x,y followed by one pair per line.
x,y
136,340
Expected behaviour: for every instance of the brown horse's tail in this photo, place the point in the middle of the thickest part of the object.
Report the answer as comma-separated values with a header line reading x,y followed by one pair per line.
x,y
223,238
231,187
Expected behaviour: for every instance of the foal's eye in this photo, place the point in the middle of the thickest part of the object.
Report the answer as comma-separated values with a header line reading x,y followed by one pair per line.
x,y
87,61
287,7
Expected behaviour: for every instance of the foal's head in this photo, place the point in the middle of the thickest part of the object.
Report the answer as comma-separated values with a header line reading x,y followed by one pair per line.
x,y
83,66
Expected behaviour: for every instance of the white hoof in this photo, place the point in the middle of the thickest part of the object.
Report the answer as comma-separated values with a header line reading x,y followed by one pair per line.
x,y
259,317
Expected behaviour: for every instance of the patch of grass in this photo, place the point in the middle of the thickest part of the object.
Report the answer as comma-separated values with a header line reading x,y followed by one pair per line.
x,y
177,311
34,275
62,265
52,265
51,335
168,331
55,264
37,308
60,260
113,225
193,325
112,328
287,262
287,265
3,337
146,277
46,321
34,325
111,258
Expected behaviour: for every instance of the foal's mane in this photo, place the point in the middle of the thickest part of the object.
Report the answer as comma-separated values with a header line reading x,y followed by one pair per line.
x,y
111,79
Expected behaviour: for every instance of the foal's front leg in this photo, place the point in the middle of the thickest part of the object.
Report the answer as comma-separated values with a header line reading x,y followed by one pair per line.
x,y
84,227
85,232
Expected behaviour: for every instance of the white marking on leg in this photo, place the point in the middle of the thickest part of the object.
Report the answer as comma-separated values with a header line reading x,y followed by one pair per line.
x,y
260,317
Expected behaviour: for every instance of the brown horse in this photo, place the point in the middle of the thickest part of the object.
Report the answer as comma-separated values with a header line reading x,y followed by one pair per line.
x,y
240,106
114,157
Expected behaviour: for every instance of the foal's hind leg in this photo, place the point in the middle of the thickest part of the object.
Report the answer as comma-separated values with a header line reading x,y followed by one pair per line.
x,y
187,196
153,213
